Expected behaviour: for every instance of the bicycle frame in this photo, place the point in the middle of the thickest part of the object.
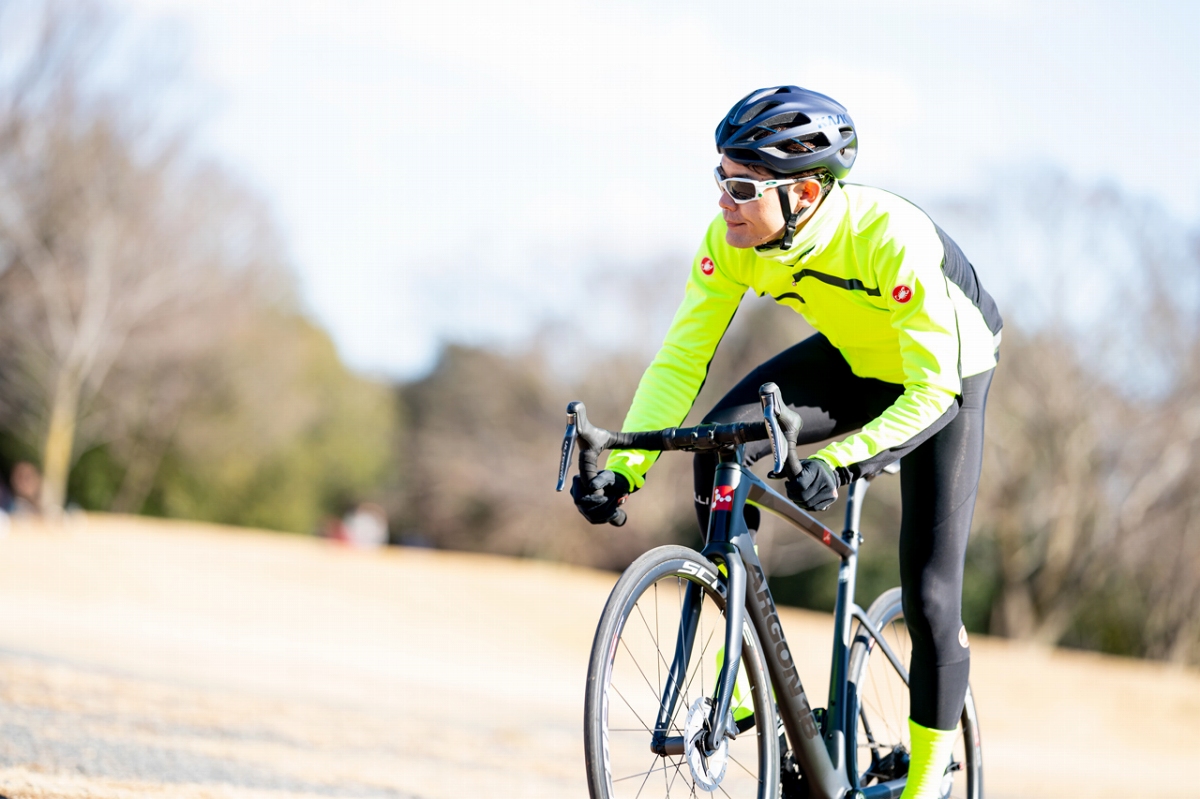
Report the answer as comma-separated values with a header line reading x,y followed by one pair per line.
x,y
822,754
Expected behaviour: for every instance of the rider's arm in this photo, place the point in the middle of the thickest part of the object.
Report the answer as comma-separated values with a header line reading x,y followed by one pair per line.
x,y
674,378
924,317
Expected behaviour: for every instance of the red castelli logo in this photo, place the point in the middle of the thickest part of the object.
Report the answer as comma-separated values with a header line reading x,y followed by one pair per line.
x,y
722,498
902,293
706,265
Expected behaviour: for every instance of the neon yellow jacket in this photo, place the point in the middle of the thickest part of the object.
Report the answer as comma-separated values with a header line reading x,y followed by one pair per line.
x,y
872,273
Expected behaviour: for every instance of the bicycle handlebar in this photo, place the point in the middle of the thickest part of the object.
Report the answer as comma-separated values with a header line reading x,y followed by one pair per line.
x,y
781,426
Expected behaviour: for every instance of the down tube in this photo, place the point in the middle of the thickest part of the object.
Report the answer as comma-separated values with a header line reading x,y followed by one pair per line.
x,y
798,719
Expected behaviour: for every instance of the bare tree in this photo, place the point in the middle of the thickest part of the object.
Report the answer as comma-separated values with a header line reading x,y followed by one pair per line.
x,y
119,256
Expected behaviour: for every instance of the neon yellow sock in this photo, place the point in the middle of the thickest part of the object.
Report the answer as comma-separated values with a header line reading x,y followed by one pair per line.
x,y
931,751
738,706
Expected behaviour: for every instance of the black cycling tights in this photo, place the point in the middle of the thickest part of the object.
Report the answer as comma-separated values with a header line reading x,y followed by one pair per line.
x,y
938,483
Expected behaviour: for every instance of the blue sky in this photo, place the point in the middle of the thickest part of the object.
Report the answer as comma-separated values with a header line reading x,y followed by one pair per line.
x,y
463,170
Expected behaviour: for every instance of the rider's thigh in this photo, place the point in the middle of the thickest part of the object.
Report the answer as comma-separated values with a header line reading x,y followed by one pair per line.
x,y
817,383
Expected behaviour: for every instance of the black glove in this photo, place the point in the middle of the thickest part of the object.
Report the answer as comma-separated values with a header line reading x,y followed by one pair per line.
x,y
604,495
815,488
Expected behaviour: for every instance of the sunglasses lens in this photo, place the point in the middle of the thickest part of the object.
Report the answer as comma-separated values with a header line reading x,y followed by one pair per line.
x,y
741,189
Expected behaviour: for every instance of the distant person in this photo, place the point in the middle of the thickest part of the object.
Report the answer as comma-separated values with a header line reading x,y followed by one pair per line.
x,y
26,483
6,508
905,348
366,526
6,497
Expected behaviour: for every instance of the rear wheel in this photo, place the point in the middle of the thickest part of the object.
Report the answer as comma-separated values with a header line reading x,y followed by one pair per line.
x,y
631,659
880,736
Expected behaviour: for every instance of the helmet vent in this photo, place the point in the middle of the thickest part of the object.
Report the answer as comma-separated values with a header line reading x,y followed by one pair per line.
x,y
808,144
784,121
753,111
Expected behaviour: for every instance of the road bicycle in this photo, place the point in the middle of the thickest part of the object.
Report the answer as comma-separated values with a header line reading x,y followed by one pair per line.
x,y
692,685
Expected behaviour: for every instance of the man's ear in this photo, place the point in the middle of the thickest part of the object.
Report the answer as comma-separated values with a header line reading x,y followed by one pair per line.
x,y
807,192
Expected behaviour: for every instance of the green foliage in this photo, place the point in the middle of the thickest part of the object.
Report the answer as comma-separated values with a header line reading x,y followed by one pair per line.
x,y
95,479
291,436
1111,620
283,437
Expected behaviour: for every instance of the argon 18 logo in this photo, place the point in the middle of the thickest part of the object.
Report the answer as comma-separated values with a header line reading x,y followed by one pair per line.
x,y
902,293
706,265
722,498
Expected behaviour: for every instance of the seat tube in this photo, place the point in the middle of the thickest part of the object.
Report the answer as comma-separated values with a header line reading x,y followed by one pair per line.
x,y
840,714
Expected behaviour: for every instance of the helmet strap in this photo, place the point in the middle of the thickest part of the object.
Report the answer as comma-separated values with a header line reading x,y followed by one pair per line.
x,y
789,228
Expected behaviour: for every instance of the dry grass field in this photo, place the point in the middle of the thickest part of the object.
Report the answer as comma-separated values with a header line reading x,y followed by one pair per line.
x,y
151,659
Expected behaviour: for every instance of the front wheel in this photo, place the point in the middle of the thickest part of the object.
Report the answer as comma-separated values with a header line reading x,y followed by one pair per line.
x,y
880,735
632,656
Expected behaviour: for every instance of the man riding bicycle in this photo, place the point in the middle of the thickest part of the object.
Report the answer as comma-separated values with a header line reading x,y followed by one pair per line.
x,y
904,353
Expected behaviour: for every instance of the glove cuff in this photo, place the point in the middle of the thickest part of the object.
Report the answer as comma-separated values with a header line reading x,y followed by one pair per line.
x,y
841,475
624,479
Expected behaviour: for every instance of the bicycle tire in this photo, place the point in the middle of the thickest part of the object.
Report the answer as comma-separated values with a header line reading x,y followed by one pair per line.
x,y
633,648
881,725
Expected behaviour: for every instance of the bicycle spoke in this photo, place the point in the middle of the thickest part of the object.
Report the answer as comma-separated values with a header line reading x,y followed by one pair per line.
x,y
748,771
640,773
678,773
688,686
631,710
896,703
643,785
662,661
636,665
657,648
667,782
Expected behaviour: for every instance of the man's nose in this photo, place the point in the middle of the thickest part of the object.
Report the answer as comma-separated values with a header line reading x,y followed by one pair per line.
x,y
726,202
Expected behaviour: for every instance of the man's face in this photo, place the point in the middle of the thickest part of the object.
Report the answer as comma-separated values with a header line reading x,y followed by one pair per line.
x,y
758,222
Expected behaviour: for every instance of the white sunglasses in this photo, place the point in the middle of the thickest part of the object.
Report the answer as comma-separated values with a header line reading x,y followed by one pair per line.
x,y
745,190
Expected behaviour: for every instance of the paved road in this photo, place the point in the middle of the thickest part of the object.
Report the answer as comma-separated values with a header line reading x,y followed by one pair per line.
x,y
148,659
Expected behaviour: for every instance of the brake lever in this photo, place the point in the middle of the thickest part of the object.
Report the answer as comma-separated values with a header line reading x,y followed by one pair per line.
x,y
783,428
771,398
568,446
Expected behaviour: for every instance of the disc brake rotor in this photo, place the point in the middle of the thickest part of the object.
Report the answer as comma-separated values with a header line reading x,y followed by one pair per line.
x,y
708,769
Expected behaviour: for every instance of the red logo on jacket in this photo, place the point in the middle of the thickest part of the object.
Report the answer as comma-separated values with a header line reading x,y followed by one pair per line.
x,y
902,293
706,265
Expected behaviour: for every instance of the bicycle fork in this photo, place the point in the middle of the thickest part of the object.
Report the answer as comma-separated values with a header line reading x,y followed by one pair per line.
x,y
729,493
719,720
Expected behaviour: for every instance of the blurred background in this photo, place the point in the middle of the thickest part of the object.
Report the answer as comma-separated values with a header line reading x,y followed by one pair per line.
x,y
337,268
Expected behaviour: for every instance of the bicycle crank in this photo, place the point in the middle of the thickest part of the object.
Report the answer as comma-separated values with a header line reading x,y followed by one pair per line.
x,y
708,768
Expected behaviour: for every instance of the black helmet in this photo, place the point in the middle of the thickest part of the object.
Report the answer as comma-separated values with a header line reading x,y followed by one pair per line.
x,y
788,130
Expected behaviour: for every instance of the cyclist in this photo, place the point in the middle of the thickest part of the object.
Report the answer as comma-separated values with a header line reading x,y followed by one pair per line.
x,y
904,353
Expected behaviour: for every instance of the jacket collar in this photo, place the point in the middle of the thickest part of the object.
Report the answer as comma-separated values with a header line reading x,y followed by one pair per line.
x,y
812,239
